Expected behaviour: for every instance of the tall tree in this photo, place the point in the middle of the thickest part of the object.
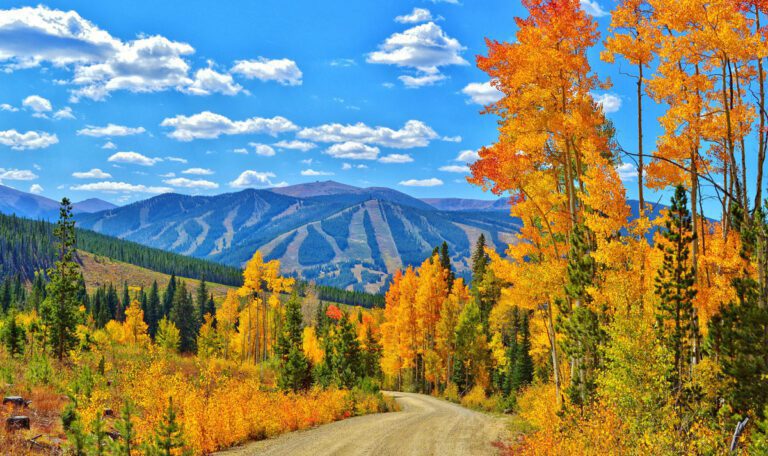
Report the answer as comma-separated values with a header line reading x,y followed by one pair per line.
x,y
184,316
675,287
154,309
59,310
293,370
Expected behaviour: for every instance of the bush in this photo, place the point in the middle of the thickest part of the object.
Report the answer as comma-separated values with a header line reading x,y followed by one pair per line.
x,y
451,393
39,371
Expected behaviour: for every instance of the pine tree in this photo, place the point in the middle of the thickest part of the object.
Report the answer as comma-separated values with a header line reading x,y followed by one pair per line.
x,y
170,291
152,314
59,313
125,445
480,260
168,435
445,262
675,286
184,316
294,371
12,335
5,296
522,370
201,299
125,302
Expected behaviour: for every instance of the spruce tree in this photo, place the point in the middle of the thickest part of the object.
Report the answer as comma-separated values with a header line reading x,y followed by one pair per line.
x,y
675,287
125,302
59,310
445,262
184,316
294,372
5,296
168,296
12,335
201,299
152,314
168,436
522,371
479,260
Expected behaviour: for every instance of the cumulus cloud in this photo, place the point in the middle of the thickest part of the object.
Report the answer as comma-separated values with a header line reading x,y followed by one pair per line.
x,y
312,172
147,64
295,145
414,82
191,183
94,173
110,130
627,172
109,145
37,104
413,134
36,189
424,48
454,168
31,35
17,175
133,158
7,107
610,102
396,158
198,171
347,166
414,17
262,149
250,178
432,182
209,125
64,113
468,156
208,81
121,187
353,150
283,71
482,93
29,140
593,8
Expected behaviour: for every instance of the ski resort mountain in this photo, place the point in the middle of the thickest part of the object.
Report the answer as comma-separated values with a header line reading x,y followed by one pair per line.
x,y
336,234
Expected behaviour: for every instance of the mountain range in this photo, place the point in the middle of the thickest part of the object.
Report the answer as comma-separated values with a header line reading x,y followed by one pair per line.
x,y
335,234
32,206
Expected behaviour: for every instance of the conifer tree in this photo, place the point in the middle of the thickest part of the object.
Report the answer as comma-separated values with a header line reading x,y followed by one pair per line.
x,y
480,260
201,299
184,316
168,436
125,302
170,291
445,261
12,335
522,370
152,314
294,371
59,312
5,296
675,286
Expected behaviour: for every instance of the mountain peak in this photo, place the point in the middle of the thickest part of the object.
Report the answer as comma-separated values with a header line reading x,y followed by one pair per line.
x,y
318,188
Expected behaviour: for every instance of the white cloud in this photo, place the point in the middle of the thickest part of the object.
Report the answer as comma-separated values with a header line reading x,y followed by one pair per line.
x,y
610,102
198,171
7,107
396,158
283,71
432,182
414,82
177,160
209,125
468,156
31,35
413,134
240,150
482,93
109,145
94,173
166,175
36,189
147,64
343,63
133,158
425,48
17,174
454,168
262,149
191,183
37,104
312,172
295,145
416,16
208,81
251,178
352,150
28,140
347,166
64,113
627,172
307,161
453,139
593,8
123,187
110,130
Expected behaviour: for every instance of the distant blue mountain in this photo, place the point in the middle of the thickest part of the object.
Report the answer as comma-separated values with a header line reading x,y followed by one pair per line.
x,y
28,205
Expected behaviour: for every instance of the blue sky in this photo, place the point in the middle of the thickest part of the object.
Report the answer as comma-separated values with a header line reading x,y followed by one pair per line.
x,y
124,100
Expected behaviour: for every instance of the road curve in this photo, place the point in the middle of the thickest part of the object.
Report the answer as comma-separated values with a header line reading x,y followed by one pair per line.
x,y
424,426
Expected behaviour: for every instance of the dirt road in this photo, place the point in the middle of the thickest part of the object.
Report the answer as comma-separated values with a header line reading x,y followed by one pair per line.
x,y
424,426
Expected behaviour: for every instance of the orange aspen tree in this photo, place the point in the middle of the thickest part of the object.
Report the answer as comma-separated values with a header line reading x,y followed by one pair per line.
x,y
549,129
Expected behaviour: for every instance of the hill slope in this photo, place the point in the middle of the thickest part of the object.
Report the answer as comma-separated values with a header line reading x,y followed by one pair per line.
x,y
28,205
333,233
